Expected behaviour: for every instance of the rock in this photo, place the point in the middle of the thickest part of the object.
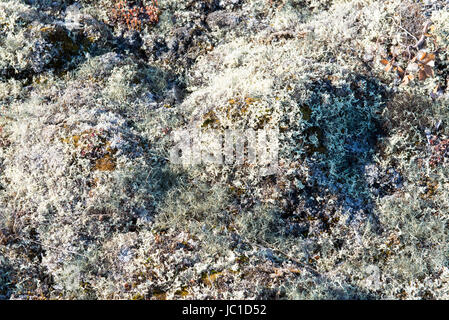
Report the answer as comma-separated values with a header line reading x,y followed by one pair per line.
x,y
222,19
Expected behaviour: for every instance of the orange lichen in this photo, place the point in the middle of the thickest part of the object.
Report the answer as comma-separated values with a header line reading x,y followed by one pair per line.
x,y
238,107
107,163
94,146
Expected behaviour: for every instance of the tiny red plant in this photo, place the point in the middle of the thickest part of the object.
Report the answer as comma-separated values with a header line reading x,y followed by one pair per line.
x,y
439,150
136,16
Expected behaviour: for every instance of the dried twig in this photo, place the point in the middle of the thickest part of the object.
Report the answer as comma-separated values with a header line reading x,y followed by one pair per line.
x,y
264,245
286,34
422,39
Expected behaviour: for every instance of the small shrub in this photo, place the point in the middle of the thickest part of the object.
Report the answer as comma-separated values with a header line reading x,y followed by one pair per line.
x,y
136,16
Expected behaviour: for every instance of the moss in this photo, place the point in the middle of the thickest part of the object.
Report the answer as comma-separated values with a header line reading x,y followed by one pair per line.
x,y
209,278
158,294
182,293
210,119
59,36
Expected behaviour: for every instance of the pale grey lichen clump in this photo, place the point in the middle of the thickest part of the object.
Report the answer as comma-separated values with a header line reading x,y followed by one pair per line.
x,y
92,208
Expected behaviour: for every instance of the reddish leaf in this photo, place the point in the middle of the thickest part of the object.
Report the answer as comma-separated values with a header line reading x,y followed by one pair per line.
x,y
400,72
422,75
429,71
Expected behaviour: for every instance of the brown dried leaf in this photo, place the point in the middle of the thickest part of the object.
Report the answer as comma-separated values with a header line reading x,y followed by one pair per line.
x,y
429,71
400,72
422,75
